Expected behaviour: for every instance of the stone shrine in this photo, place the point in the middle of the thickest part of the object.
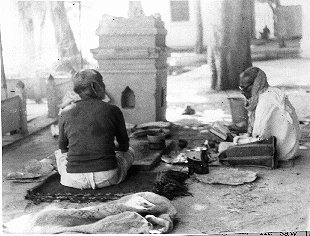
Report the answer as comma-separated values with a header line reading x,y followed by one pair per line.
x,y
132,57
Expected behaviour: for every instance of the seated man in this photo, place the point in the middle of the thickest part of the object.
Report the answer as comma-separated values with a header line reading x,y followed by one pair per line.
x,y
270,113
88,156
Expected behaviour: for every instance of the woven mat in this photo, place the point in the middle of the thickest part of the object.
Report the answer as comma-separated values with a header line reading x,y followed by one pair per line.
x,y
51,189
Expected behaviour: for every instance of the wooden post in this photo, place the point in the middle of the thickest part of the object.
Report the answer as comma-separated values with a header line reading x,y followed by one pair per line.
x,y
51,94
21,92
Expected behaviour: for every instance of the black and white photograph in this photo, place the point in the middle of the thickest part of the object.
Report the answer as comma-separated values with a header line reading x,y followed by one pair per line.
x,y
155,117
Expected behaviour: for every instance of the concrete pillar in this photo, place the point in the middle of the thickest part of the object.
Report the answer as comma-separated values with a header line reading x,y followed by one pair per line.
x,y
132,57
21,92
51,94
305,42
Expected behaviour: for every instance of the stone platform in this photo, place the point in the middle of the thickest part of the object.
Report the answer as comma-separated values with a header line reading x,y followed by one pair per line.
x,y
34,126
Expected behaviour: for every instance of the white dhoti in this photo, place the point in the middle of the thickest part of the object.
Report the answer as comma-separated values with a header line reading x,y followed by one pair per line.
x,y
95,179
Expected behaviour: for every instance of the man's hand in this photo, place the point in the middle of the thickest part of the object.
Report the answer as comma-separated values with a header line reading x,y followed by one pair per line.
x,y
245,139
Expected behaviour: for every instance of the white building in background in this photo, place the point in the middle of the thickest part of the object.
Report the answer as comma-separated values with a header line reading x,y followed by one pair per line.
x,y
179,17
181,22
305,42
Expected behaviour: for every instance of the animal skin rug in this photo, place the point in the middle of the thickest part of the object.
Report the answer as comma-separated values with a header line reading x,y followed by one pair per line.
x,y
137,213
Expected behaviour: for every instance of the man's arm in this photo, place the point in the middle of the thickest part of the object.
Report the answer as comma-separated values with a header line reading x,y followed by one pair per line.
x,y
121,133
62,139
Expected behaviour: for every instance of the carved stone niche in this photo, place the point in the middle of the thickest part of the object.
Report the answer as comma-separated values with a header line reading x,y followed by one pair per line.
x,y
132,57
128,99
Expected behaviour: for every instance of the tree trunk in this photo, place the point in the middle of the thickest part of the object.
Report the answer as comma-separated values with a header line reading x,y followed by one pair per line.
x,y
199,36
229,47
27,29
64,36
252,14
278,27
38,18
4,91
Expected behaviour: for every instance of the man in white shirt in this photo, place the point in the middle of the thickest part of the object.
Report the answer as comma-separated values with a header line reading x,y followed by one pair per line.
x,y
270,113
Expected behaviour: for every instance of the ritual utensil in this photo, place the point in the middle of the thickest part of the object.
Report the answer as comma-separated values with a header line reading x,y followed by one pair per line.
x,y
182,143
199,165
157,141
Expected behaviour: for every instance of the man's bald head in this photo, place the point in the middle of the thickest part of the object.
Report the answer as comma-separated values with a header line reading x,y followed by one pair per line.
x,y
86,83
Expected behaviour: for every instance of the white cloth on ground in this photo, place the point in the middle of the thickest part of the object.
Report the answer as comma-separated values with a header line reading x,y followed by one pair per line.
x,y
143,212
275,116
95,179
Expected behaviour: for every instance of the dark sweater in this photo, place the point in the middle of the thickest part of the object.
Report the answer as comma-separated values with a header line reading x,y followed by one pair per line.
x,y
87,130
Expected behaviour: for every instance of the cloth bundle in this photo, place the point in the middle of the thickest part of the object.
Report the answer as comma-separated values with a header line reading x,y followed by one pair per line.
x,y
143,212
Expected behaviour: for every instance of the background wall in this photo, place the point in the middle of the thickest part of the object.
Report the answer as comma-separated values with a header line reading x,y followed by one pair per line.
x,y
290,21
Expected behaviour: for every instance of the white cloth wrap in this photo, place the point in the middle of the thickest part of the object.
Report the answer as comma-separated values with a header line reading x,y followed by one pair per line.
x,y
275,116
143,212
